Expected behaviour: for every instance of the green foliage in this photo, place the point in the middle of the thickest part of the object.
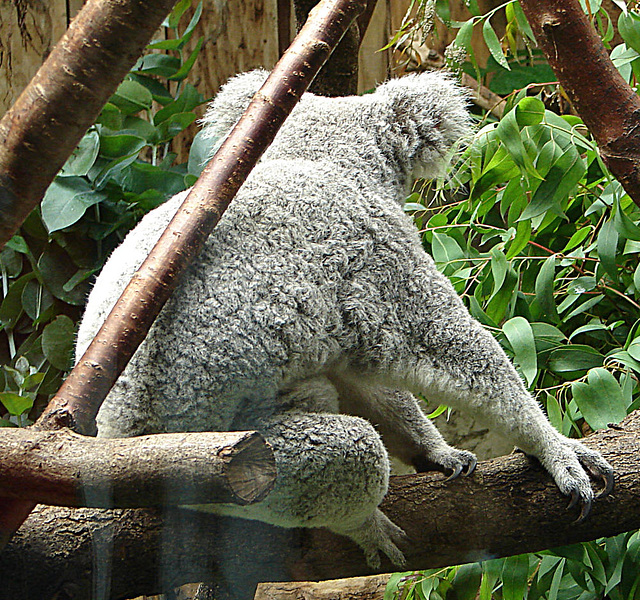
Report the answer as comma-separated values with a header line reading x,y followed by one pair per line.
x,y
121,169
543,245
589,571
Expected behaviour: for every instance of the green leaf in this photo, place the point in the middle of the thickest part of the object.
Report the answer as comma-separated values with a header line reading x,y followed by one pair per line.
x,y
445,249
66,200
554,588
508,131
530,111
57,342
521,239
601,400
158,64
629,29
120,144
35,299
16,404
523,24
132,97
625,227
520,335
56,268
183,71
564,174
544,288
176,14
11,307
574,358
607,245
463,37
394,585
515,575
493,43
84,155
174,125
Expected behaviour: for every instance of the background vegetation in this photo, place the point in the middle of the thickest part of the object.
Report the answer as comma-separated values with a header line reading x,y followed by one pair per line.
x,y
534,232
543,245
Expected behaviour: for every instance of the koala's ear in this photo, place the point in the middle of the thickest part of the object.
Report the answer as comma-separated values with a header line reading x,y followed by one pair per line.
x,y
429,113
230,103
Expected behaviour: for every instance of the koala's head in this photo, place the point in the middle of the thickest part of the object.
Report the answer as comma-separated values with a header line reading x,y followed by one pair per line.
x,y
426,115
409,123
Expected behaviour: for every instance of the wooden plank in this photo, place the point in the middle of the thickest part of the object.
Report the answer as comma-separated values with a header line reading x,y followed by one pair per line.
x,y
375,65
28,32
238,36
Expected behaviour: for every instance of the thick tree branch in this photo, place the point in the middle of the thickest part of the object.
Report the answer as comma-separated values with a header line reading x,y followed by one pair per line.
x,y
40,131
66,469
510,506
608,106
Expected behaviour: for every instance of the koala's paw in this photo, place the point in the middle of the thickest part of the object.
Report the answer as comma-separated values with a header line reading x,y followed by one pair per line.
x,y
448,460
571,464
378,534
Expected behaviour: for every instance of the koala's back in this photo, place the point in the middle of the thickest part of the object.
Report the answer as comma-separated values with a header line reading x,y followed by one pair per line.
x,y
285,283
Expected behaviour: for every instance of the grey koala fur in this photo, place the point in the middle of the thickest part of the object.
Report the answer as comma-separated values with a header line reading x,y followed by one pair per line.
x,y
314,298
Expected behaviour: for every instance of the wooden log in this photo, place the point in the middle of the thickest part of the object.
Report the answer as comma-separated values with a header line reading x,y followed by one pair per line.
x,y
63,468
447,523
353,588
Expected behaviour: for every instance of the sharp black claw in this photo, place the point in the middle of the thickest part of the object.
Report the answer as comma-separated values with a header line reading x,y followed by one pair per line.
x,y
607,480
471,467
585,509
456,473
573,499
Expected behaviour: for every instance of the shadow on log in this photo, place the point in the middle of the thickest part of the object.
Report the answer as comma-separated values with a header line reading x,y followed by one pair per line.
x,y
65,553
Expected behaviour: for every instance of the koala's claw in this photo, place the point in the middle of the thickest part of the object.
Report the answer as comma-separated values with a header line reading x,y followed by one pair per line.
x,y
378,534
451,461
585,506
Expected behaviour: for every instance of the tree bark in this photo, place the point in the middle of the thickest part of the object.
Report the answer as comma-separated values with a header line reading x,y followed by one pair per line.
x,y
63,468
78,400
354,588
509,506
606,103
40,131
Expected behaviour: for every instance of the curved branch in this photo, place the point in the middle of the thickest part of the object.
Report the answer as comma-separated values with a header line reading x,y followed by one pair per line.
x,y
606,103
39,132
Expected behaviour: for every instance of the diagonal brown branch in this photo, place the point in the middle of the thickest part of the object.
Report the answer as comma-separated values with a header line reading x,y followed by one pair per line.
x,y
606,103
39,132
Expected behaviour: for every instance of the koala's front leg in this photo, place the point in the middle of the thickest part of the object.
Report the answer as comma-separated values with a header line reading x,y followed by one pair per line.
x,y
462,365
333,471
406,432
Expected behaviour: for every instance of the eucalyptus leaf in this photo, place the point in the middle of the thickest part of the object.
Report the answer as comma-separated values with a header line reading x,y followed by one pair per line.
x,y
58,340
600,400
520,335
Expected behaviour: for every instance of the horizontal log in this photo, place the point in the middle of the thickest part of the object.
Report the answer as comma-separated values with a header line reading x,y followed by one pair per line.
x,y
508,506
353,588
63,468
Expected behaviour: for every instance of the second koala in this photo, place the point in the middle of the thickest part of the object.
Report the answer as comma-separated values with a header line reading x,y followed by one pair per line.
x,y
313,314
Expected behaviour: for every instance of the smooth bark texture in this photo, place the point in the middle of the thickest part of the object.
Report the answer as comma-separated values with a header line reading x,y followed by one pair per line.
x,y
63,468
40,131
606,103
508,506
78,400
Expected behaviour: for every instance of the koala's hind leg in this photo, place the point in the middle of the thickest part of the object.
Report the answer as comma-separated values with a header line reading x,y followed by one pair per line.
x,y
460,364
406,432
333,471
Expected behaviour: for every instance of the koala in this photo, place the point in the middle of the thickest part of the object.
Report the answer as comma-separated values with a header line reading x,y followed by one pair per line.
x,y
314,315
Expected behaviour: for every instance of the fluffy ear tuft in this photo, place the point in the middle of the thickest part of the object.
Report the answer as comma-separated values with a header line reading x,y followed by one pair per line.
x,y
229,105
430,113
